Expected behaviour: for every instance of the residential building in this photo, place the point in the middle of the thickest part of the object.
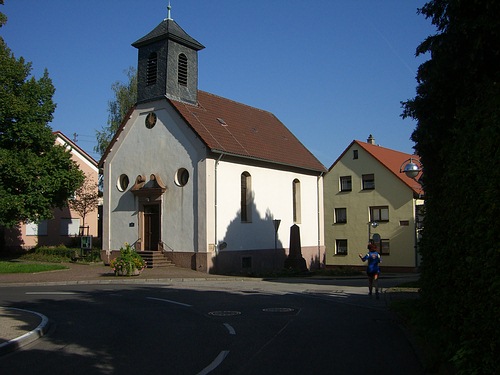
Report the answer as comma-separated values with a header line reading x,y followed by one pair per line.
x,y
66,224
367,198
203,179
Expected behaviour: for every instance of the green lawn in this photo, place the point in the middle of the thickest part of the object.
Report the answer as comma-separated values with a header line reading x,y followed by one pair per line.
x,y
17,267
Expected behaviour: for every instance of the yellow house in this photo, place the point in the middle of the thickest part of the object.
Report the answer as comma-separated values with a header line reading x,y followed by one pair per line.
x,y
367,198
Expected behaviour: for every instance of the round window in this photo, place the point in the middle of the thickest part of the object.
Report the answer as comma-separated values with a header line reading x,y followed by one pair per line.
x,y
150,120
181,177
122,182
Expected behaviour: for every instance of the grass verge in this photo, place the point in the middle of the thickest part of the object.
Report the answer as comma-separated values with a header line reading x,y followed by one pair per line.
x,y
17,267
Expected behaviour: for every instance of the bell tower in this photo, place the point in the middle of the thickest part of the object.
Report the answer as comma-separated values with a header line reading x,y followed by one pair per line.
x,y
167,64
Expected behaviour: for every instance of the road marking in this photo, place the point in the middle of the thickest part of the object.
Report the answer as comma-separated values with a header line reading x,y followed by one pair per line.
x,y
278,309
230,329
224,313
50,293
216,362
170,301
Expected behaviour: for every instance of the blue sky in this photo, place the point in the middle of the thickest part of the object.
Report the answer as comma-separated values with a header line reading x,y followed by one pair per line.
x,y
330,70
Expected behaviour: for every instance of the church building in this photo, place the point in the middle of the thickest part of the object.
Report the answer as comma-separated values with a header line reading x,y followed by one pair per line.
x,y
211,184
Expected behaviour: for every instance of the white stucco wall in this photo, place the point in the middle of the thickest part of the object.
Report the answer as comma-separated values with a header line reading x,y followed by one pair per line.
x,y
162,150
272,199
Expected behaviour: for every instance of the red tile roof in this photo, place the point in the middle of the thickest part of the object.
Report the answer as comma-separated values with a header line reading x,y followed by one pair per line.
x,y
392,160
229,127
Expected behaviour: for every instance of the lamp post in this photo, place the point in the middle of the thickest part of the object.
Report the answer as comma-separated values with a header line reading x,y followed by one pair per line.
x,y
412,168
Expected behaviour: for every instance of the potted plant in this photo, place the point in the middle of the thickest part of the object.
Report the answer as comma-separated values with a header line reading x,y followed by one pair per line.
x,y
128,263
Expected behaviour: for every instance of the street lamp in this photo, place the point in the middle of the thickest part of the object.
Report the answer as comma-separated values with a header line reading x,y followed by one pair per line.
x,y
411,168
371,224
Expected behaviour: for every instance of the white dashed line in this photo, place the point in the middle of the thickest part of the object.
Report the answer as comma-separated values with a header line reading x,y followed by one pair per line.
x,y
230,329
170,301
50,293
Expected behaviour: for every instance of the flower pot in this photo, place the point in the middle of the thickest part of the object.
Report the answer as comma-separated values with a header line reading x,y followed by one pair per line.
x,y
124,272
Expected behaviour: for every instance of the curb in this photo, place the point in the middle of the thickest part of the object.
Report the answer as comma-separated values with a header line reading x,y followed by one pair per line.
x,y
27,338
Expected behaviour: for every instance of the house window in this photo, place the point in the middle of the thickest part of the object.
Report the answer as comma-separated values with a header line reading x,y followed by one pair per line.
x,y
380,213
37,229
384,247
345,183
340,216
296,201
69,227
354,154
368,181
341,247
152,69
182,72
246,197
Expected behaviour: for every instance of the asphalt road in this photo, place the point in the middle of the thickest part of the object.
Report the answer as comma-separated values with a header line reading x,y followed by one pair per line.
x,y
219,327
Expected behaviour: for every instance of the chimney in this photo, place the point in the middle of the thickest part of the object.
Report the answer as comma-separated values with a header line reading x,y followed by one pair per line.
x,y
370,140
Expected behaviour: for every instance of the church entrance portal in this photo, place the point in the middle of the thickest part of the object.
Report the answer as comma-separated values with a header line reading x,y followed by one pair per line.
x,y
151,227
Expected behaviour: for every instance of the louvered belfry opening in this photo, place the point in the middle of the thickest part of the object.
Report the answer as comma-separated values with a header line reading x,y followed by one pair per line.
x,y
182,67
152,69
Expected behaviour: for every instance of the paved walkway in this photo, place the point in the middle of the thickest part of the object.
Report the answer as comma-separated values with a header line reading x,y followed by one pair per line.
x,y
21,327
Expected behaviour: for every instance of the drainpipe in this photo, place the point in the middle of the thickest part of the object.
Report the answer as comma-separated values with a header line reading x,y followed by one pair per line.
x,y
319,217
215,213
108,220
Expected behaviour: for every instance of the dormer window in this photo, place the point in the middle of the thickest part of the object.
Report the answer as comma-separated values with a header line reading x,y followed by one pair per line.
x,y
182,70
152,69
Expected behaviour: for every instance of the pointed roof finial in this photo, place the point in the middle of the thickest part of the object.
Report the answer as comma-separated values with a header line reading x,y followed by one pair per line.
x,y
169,8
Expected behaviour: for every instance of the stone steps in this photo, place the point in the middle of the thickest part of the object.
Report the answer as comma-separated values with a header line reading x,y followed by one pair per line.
x,y
155,259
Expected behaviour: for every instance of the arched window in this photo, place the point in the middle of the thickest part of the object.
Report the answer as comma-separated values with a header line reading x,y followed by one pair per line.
x,y
246,197
182,70
152,69
296,201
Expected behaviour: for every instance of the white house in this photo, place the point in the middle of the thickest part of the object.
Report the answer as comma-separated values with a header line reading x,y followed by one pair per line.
x,y
202,178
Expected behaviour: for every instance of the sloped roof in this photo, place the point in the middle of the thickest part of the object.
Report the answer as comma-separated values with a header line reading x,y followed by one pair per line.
x,y
89,158
169,29
229,127
391,159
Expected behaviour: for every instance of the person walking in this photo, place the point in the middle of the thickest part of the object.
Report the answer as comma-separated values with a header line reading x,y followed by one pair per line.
x,y
372,269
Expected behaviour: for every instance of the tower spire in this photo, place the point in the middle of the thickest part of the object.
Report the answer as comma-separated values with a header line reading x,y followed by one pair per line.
x,y
169,8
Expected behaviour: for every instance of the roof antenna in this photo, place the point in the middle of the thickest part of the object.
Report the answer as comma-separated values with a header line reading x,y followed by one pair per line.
x,y
169,8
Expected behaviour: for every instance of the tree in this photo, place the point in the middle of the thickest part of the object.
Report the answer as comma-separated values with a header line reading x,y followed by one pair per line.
x,y
457,108
125,98
86,199
35,174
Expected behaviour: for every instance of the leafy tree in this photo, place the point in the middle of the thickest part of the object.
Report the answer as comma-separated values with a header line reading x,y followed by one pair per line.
x,y
457,108
125,98
35,174
86,199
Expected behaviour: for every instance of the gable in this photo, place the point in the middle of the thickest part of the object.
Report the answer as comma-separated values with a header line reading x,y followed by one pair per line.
x,y
77,153
389,159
